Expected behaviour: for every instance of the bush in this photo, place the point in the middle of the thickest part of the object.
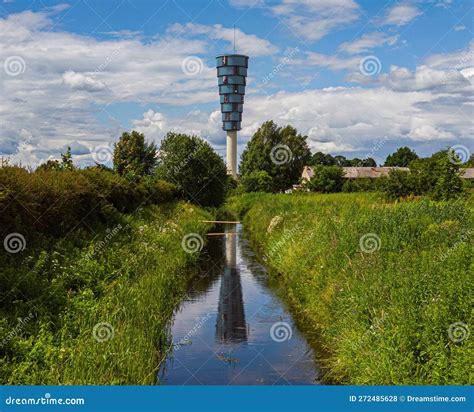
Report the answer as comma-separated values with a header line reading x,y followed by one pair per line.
x,y
364,184
326,179
399,184
52,202
56,201
198,172
438,177
257,181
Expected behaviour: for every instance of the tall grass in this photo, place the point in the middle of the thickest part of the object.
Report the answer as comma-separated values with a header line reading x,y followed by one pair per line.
x,y
385,317
123,284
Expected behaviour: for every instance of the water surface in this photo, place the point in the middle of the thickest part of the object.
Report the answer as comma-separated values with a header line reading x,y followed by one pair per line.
x,y
234,329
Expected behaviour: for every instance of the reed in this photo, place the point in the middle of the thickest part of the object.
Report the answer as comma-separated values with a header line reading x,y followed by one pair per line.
x,y
386,287
101,306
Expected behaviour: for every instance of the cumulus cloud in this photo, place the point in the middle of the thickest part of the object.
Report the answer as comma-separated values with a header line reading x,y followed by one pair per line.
x,y
453,61
64,95
196,122
153,124
426,78
66,81
347,119
78,81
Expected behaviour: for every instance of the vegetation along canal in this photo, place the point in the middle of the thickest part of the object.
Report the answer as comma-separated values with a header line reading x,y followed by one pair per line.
x,y
234,328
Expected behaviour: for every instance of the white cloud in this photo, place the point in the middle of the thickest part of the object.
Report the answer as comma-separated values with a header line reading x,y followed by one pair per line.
x,y
367,42
312,20
79,81
69,80
346,119
456,60
426,78
401,14
427,131
245,43
153,125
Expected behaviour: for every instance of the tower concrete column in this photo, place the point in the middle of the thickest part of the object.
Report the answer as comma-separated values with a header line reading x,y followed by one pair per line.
x,y
232,153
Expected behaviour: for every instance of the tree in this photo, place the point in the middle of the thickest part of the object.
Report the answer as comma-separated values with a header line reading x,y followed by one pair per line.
x,y
50,165
437,177
133,156
320,158
65,163
256,181
341,161
368,162
66,160
401,157
326,179
399,183
449,184
198,172
279,151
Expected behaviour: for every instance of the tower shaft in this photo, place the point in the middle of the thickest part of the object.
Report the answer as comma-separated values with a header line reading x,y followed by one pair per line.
x,y
232,153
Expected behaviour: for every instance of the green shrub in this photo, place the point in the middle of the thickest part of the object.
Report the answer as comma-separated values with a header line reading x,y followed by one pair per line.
x,y
365,184
256,181
399,184
438,177
198,172
131,275
326,179
53,202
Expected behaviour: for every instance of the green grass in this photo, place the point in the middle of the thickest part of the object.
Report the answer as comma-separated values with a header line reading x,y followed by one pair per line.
x,y
381,317
133,281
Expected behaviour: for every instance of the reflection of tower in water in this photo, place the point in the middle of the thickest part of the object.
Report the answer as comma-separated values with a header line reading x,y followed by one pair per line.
x,y
231,326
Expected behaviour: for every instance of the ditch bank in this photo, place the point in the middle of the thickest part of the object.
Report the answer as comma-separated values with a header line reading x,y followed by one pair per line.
x,y
95,309
384,286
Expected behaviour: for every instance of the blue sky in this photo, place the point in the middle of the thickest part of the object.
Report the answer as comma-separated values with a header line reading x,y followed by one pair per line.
x,y
359,78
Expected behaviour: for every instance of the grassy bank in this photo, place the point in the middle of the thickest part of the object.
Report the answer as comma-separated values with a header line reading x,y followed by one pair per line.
x,y
94,308
387,288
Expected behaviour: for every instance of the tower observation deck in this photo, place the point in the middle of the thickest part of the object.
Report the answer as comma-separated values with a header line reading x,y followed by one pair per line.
x,y
231,76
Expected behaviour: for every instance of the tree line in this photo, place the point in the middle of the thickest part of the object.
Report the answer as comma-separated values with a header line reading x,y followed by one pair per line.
x,y
272,161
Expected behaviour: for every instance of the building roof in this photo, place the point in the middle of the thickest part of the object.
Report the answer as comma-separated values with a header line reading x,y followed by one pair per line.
x,y
468,173
232,55
373,172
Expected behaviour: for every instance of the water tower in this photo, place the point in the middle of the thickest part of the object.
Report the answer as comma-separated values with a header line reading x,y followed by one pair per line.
x,y
231,75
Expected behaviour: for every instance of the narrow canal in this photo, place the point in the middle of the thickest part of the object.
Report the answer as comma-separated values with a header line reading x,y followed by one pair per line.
x,y
234,328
